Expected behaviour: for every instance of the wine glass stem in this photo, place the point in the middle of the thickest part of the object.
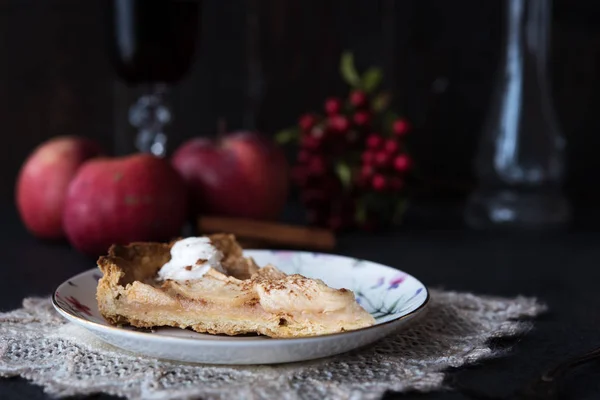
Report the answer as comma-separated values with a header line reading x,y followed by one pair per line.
x,y
150,115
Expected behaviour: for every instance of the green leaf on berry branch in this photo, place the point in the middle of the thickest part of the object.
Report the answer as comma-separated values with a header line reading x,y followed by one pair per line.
x,y
348,70
371,79
381,102
400,210
287,136
344,174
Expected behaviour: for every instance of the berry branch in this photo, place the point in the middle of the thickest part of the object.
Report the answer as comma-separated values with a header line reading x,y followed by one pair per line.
x,y
352,164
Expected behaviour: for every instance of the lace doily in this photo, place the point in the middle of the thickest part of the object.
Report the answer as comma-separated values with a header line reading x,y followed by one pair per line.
x,y
38,344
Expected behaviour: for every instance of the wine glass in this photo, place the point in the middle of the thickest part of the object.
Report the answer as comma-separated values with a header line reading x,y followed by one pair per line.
x,y
151,43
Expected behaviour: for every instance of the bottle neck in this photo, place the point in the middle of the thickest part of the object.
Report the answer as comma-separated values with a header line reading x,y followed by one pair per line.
x,y
528,32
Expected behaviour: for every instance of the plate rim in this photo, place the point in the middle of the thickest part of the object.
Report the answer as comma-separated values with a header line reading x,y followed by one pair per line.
x,y
232,340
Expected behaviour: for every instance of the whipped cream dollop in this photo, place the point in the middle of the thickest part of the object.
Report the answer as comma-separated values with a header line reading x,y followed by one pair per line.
x,y
191,258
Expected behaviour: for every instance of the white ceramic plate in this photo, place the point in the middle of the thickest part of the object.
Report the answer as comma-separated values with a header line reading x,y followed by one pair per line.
x,y
393,297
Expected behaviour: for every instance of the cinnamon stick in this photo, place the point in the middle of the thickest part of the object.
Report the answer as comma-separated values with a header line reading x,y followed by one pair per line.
x,y
247,230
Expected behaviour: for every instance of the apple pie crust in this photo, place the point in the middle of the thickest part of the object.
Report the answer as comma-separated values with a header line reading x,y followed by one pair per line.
x,y
247,299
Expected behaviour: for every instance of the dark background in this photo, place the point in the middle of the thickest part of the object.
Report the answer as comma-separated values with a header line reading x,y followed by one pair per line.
x,y
439,57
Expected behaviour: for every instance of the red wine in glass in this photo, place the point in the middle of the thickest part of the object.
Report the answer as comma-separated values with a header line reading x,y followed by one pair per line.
x,y
152,43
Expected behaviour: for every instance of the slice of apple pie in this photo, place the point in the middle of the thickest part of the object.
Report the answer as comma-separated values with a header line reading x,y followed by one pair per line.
x,y
205,283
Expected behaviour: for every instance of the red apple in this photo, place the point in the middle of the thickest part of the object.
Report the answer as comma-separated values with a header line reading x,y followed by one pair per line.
x,y
125,199
43,181
241,175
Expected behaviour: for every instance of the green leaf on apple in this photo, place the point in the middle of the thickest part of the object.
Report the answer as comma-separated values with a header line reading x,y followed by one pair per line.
x,y
371,79
348,70
287,136
344,173
381,101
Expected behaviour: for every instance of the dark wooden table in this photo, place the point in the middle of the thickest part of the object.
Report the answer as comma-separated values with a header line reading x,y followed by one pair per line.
x,y
562,269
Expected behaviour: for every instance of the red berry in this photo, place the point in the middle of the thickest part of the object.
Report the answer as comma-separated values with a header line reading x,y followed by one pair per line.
x,y
400,127
310,142
396,184
382,159
379,182
303,156
368,157
339,123
358,98
362,118
402,163
374,141
391,146
333,106
363,178
366,172
306,122
317,132
317,166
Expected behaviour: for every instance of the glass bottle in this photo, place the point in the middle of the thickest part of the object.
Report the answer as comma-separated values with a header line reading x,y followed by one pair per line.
x,y
520,160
